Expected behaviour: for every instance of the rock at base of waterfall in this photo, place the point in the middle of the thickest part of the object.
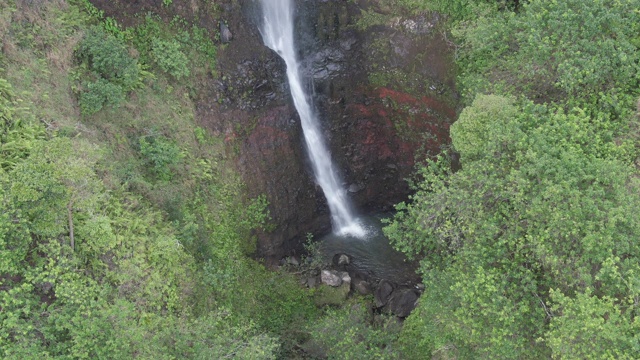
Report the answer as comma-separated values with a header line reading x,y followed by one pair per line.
x,y
362,287
383,292
331,278
344,276
354,188
341,260
293,261
402,302
290,261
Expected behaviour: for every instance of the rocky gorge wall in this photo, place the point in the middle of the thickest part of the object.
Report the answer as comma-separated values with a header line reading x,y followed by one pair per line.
x,y
383,87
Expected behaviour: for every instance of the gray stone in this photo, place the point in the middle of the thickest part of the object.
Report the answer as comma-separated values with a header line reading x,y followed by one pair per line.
x,y
225,33
362,287
321,74
331,278
354,188
343,259
312,282
340,261
344,276
293,261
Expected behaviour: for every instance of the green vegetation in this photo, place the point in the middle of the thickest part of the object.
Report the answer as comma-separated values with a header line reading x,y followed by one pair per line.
x,y
113,72
170,58
160,153
531,249
125,232
346,333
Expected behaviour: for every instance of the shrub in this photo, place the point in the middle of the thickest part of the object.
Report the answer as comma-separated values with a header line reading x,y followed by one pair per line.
x,y
160,153
109,58
99,94
348,333
17,134
170,58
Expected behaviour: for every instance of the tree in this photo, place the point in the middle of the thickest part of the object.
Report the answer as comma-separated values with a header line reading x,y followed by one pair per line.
x,y
569,52
541,203
53,183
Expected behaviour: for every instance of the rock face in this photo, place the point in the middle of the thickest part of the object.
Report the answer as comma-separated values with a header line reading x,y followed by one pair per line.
x,y
383,90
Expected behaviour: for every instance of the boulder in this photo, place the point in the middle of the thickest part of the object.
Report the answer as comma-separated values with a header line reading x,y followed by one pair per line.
x,y
293,261
331,278
225,33
402,302
362,287
343,259
383,293
354,188
344,276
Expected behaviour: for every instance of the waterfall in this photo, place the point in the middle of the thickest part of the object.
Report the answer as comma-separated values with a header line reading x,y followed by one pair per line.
x,y
277,33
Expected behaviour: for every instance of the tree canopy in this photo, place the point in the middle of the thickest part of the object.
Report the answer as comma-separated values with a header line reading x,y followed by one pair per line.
x,y
531,249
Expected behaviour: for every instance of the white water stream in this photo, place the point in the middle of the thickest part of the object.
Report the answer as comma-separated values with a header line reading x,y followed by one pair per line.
x,y
277,33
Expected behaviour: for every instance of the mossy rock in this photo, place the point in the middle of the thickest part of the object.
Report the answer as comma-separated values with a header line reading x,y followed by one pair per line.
x,y
329,295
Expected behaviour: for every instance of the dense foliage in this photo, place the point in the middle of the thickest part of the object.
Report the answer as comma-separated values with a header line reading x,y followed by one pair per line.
x,y
124,232
531,249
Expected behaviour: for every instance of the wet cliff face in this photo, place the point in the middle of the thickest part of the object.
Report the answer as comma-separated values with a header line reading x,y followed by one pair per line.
x,y
383,87
384,92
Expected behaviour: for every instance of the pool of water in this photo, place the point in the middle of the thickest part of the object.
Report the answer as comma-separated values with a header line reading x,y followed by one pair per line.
x,y
371,254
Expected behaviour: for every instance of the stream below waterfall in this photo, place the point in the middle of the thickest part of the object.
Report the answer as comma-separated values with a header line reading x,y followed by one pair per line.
x,y
371,255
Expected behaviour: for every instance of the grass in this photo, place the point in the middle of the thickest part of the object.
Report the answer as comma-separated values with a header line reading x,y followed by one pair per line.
x,y
38,57
38,60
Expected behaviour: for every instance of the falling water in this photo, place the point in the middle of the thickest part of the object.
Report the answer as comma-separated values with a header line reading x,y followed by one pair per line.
x,y
277,33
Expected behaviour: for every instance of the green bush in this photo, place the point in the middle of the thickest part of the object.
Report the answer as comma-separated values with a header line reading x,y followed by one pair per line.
x,y
170,58
477,124
99,94
161,154
143,36
108,58
349,333
115,71
583,53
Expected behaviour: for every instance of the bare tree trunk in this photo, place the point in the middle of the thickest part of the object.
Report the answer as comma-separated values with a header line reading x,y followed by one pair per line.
x,y
72,241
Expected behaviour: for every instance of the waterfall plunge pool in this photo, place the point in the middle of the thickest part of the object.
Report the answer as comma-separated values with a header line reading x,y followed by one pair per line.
x,y
371,255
